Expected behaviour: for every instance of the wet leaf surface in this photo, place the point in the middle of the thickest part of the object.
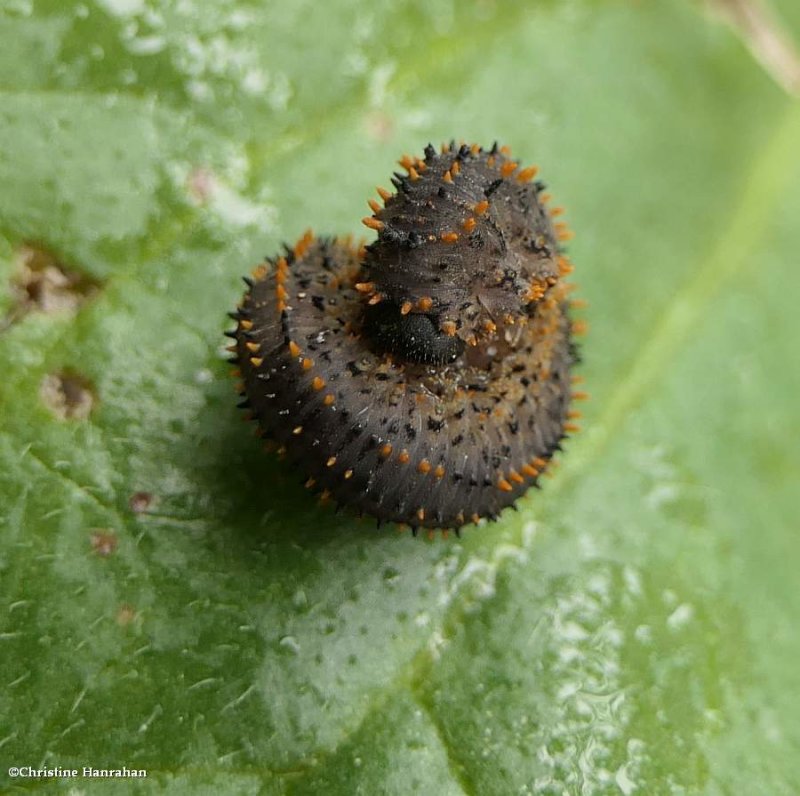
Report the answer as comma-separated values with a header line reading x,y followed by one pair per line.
x,y
171,598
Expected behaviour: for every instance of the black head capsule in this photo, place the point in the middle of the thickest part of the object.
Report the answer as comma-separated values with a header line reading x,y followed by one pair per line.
x,y
414,336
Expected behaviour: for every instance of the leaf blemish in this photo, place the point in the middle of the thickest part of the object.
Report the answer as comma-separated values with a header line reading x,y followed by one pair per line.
x,y
140,502
42,283
126,615
104,542
68,395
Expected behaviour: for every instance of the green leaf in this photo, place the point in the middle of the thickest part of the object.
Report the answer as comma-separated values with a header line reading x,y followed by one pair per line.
x,y
171,599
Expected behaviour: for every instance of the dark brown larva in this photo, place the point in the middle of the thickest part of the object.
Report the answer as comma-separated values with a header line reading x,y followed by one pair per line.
x,y
424,379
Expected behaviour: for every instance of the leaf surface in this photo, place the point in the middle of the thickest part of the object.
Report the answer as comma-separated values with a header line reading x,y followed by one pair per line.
x,y
172,600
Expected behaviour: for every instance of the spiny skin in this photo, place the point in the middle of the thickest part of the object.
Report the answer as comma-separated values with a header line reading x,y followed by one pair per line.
x,y
474,246
437,413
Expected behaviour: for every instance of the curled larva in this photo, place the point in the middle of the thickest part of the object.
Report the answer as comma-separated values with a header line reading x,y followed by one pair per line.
x,y
423,379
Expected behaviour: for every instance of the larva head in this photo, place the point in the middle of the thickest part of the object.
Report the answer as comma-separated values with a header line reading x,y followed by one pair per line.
x,y
466,241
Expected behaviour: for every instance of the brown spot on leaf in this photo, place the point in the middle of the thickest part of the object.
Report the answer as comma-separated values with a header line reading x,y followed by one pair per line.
x,y
104,542
42,283
140,502
126,614
68,395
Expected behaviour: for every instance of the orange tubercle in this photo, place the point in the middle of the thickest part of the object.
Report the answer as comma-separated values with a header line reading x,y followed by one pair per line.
x,y
301,247
373,223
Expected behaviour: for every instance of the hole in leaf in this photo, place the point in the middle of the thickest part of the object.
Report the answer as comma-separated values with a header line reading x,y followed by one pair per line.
x,y
68,395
